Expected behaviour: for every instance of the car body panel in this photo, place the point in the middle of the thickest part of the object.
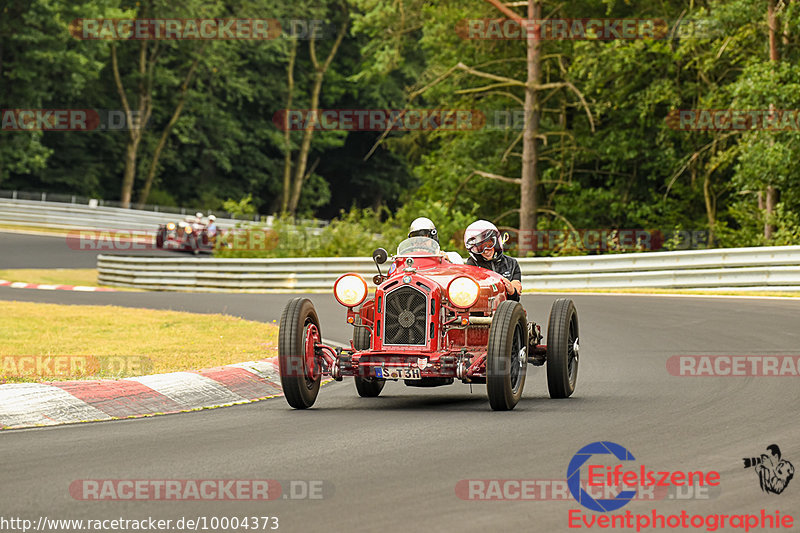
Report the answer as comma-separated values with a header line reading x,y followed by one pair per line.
x,y
419,283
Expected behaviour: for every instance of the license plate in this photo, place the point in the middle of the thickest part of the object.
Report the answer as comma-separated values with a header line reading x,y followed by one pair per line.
x,y
383,372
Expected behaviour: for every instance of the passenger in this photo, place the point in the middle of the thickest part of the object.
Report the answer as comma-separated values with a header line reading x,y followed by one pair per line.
x,y
211,229
485,246
424,227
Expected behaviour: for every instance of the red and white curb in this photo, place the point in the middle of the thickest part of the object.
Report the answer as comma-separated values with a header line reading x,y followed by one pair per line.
x,y
48,404
46,287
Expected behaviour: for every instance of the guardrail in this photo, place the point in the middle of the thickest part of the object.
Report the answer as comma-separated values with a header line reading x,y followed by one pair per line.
x,y
61,198
774,268
183,273
59,215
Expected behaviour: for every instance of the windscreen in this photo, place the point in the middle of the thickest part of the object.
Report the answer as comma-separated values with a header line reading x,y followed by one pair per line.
x,y
418,246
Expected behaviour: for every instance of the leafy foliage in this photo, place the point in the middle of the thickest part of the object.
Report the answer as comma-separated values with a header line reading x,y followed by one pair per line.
x,y
615,161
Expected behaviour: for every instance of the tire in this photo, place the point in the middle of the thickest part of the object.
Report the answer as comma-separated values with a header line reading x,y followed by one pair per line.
x,y
562,349
506,357
160,239
190,244
366,387
298,321
362,337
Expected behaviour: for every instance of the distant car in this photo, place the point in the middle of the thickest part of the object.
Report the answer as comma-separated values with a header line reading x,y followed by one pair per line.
x,y
429,323
185,236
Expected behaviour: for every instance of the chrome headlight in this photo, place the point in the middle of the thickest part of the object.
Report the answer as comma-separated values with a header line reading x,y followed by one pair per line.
x,y
463,292
171,226
350,290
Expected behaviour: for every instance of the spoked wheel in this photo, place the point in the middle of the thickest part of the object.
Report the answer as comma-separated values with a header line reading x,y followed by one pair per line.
x,y
562,349
300,371
362,340
507,358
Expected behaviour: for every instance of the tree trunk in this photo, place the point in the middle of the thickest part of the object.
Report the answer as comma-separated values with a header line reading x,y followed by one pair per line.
x,y
773,34
772,24
144,105
144,108
287,139
151,172
308,133
528,204
771,200
710,209
129,174
305,145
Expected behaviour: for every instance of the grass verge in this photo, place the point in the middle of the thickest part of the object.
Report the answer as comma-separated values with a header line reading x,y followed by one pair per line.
x,y
127,342
52,276
12,228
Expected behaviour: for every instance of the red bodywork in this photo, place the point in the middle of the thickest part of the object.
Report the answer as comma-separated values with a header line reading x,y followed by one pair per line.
x,y
456,340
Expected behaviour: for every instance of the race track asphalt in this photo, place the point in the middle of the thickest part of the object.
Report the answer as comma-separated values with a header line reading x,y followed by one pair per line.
x,y
392,463
21,250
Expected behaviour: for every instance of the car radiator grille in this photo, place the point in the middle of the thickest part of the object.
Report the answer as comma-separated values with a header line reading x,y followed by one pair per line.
x,y
405,317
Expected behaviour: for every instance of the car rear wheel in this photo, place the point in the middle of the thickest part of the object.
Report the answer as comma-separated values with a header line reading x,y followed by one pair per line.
x,y
362,340
562,349
160,238
300,371
506,357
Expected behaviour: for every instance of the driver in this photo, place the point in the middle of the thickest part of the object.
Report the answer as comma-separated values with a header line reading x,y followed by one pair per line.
x,y
424,227
485,246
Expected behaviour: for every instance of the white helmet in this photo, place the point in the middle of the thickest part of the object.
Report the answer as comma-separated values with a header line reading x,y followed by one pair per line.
x,y
423,227
198,215
211,218
482,232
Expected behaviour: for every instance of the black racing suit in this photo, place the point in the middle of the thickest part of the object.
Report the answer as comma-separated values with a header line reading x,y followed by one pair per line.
x,y
506,266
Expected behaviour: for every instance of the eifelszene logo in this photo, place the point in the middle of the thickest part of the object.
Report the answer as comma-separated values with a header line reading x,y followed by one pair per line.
x,y
774,473
599,475
574,477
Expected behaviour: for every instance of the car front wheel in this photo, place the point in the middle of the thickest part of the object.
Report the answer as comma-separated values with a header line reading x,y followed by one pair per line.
x,y
300,371
506,357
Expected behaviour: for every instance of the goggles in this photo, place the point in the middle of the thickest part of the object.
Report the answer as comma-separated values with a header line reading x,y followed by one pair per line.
x,y
481,247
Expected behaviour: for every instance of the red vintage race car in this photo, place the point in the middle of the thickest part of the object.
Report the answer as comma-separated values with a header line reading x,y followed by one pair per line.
x,y
185,235
429,323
